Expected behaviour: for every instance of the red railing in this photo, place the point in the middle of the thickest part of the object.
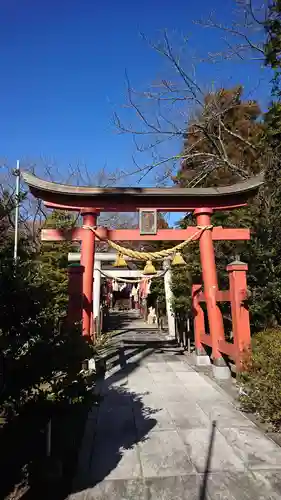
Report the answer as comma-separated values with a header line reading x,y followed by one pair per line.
x,y
237,296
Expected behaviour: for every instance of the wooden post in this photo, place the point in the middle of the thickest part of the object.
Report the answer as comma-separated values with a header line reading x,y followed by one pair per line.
x,y
199,327
239,311
87,260
198,319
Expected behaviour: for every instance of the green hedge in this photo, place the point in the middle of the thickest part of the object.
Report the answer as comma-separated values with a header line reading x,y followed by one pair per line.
x,y
261,382
40,359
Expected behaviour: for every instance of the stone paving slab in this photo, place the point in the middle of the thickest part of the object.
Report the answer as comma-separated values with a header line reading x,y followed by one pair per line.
x,y
173,487
160,367
164,431
269,480
192,379
241,486
117,490
164,378
224,414
220,486
112,461
180,366
187,416
223,457
162,420
256,450
164,454
112,422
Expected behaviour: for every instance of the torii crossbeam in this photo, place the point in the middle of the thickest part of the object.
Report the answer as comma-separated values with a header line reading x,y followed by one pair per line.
x,y
76,234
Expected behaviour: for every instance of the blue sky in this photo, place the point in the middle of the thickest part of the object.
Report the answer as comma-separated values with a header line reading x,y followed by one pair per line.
x,y
63,66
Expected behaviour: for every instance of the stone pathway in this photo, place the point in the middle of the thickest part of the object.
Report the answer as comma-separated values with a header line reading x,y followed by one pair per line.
x,y
164,431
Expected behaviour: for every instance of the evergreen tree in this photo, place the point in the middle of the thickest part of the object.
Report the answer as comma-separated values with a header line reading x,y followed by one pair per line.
x,y
265,248
231,129
222,145
53,258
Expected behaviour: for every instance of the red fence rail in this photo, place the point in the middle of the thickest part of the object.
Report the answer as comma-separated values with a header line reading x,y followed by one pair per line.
x,y
237,296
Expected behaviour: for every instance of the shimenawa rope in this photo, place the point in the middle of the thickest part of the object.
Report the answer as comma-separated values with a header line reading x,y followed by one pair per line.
x,y
150,255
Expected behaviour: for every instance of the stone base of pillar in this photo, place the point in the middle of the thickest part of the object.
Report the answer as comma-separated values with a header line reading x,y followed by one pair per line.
x,y
220,369
202,360
201,357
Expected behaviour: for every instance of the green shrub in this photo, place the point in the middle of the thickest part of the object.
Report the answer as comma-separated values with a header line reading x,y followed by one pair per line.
x,y
261,379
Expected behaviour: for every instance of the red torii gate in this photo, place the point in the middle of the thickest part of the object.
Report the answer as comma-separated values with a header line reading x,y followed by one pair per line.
x,y
90,201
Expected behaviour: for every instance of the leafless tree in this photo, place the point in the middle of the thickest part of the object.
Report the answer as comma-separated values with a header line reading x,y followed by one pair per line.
x,y
244,36
172,108
33,213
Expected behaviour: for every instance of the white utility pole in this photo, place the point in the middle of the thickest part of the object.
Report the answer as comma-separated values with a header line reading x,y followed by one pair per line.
x,y
17,174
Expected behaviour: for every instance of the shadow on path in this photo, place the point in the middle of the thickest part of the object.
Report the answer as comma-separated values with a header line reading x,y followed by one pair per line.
x,y
204,484
113,430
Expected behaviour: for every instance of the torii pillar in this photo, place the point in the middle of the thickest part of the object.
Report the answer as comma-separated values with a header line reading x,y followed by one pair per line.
x,y
210,280
87,260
